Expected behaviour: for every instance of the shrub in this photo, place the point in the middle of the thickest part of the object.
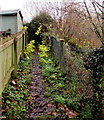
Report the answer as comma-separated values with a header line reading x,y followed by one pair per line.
x,y
42,19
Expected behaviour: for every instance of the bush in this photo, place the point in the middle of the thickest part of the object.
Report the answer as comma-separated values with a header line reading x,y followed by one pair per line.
x,y
95,62
42,19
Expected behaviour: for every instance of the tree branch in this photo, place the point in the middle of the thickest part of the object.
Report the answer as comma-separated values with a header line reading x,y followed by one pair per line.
x,y
94,25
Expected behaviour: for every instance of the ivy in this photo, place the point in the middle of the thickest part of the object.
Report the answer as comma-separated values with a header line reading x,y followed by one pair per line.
x,y
95,62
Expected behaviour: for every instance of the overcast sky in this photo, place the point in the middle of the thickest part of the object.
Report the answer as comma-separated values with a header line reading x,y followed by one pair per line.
x,y
20,4
15,4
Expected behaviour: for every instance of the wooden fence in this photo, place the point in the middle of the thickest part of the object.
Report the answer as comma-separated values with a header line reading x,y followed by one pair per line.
x,y
11,48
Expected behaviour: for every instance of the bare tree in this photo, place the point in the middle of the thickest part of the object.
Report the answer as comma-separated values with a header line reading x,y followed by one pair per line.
x,y
71,20
33,8
73,23
99,14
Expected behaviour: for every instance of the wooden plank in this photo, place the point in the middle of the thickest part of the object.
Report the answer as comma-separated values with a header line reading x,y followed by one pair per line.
x,y
5,45
19,36
6,78
15,58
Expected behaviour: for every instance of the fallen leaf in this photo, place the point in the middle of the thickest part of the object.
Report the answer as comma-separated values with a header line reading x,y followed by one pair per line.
x,y
35,95
13,82
49,113
54,113
13,101
33,88
35,101
59,105
4,110
32,83
14,116
35,111
49,105
70,113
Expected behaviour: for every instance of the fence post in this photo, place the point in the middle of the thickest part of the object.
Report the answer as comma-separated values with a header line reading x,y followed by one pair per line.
x,y
61,55
15,58
24,41
61,44
23,44
26,38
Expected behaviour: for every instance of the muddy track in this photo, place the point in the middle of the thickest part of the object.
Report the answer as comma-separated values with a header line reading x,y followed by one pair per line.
x,y
38,104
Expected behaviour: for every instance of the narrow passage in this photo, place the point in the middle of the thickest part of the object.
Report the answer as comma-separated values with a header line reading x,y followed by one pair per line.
x,y
38,103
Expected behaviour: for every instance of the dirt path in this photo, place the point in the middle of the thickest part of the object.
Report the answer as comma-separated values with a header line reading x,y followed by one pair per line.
x,y
38,104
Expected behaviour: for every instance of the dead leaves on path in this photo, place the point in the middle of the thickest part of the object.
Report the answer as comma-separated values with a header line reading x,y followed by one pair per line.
x,y
69,113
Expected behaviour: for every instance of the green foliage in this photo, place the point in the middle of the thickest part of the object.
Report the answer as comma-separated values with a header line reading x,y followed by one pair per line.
x,y
39,30
43,53
43,48
86,113
29,49
59,99
16,93
40,20
24,28
95,62
60,87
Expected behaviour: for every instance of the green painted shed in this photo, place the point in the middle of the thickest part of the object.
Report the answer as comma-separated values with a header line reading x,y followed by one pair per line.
x,y
11,20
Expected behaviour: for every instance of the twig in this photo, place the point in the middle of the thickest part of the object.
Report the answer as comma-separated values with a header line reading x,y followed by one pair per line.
x,y
94,25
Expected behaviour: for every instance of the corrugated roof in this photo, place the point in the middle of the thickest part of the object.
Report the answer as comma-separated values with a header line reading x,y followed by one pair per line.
x,y
11,12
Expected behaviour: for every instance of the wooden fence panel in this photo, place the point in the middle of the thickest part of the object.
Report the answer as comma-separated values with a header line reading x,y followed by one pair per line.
x,y
10,52
6,61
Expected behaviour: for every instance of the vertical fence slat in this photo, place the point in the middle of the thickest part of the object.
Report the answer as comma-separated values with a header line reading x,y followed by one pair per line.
x,y
15,58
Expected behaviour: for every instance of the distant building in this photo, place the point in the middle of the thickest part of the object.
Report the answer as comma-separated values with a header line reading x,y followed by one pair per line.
x,y
11,20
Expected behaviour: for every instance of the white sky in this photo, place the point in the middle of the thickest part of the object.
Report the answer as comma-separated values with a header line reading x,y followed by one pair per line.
x,y
11,4
20,4
15,4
